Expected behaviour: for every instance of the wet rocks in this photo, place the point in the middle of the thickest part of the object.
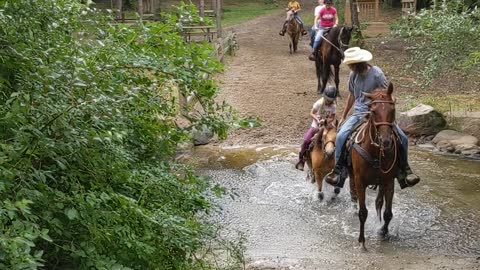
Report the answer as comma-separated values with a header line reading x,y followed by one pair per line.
x,y
423,120
452,141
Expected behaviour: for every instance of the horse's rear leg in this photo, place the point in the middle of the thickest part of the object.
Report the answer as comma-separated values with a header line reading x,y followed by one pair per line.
x,y
387,215
290,46
362,213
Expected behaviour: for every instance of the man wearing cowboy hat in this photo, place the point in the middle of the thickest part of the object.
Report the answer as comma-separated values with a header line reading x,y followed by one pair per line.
x,y
364,78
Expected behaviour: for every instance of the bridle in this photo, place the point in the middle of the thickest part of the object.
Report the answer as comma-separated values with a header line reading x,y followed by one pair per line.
x,y
375,141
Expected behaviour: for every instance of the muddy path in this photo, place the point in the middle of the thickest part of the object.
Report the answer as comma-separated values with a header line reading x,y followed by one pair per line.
x,y
265,81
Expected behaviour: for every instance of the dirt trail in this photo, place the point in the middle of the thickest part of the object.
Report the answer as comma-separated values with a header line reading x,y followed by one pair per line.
x,y
264,80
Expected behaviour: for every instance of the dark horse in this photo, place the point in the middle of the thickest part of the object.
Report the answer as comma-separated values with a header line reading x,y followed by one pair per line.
x,y
330,53
293,30
374,158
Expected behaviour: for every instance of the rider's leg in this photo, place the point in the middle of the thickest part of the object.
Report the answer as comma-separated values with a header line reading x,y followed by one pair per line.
x,y
334,178
405,176
300,22
307,139
316,43
312,36
284,27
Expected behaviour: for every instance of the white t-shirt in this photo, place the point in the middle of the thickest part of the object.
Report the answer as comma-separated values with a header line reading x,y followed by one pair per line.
x,y
323,111
317,12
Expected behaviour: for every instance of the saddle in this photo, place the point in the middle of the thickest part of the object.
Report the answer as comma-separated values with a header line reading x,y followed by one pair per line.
x,y
350,145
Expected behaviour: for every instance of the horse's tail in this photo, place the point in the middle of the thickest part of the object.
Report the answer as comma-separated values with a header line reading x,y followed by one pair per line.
x,y
379,203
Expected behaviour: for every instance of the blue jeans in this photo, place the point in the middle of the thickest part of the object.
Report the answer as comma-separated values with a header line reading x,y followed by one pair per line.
x,y
318,38
298,19
346,130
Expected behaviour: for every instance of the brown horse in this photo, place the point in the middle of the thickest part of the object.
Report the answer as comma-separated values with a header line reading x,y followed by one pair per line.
x,y
320,159
374,158
330,53
293,30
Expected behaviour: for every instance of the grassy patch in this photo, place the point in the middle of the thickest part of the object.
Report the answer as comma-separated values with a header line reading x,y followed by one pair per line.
x,y
236,13
450,103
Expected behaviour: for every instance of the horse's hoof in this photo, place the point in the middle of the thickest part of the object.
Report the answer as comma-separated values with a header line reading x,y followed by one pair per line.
x,y
336,190
320,196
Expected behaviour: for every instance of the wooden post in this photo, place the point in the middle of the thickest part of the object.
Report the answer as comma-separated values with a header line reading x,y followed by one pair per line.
x,y
214,5
348,13
377,10
119,7
140,9
218,16
202,8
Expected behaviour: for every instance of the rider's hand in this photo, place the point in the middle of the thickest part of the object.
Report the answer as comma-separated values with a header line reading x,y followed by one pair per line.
x,y
334,25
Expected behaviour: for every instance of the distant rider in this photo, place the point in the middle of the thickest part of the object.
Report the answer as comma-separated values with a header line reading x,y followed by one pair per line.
x,y
292,9
327,18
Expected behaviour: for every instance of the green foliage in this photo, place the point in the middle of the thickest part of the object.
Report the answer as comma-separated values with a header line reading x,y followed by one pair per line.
x,y
444,38
88,130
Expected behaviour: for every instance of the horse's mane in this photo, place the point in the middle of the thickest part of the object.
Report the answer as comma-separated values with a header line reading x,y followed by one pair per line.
x,y
380,94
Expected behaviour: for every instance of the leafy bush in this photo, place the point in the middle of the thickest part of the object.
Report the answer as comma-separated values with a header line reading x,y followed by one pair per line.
x,y
444,38
88,129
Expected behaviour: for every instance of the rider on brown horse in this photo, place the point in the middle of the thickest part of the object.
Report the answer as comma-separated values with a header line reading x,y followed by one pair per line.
x,y
323,111
292,9
364,78
326,18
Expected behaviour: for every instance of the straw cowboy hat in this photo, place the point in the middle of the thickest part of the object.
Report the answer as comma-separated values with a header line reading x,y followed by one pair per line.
x,y
356,55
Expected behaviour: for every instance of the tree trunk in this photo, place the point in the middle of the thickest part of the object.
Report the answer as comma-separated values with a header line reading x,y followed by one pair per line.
x,y
357,33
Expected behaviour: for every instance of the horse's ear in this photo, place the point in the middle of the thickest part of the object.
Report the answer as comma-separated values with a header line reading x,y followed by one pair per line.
x,y
368,95
390,89
335,123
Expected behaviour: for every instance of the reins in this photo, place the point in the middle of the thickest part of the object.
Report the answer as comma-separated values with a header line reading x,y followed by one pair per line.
x,y
339,42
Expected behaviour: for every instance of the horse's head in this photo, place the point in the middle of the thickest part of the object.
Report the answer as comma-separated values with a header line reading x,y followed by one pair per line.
x,y
382,115
344,37
328,138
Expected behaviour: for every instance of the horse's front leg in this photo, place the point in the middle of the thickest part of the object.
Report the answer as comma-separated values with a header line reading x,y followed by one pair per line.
x,y
319,180
337,78
388,215
325,75
362,212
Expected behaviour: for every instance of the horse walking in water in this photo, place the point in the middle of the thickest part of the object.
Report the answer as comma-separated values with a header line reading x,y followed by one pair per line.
x,y
330,53
320,159
293,30
374,158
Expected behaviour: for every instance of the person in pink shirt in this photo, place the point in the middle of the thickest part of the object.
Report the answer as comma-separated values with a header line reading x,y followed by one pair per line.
x,y
328,19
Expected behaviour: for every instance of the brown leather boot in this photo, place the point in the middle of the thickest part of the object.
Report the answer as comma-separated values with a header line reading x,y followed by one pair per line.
x,y
406,178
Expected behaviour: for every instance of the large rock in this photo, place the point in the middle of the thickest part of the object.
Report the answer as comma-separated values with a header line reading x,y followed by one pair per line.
x,y
454,141
467,122
422,120
201,137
